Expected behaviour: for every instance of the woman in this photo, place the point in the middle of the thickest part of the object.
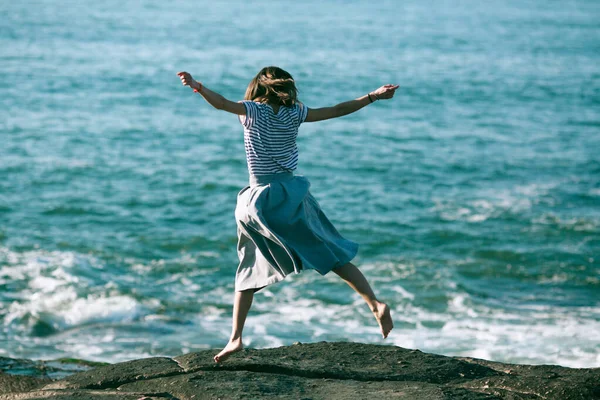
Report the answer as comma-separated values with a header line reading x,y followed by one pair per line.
x,y
281,227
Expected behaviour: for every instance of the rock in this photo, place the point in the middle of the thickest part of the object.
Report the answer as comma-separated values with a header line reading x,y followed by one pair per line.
x,y
321,370
20,383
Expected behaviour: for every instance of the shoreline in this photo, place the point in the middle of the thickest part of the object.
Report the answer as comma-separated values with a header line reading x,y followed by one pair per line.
x,y
54,368
331,370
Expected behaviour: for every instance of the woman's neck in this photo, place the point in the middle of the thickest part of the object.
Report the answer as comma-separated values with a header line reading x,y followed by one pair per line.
x,y
275,107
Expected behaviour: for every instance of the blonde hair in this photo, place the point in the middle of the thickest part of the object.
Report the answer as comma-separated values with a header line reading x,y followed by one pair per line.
x,y
272,85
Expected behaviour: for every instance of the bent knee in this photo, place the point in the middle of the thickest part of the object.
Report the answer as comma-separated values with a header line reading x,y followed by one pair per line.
x,y
341,268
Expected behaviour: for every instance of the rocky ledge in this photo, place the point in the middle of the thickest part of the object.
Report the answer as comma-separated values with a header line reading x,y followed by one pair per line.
x,y
312,371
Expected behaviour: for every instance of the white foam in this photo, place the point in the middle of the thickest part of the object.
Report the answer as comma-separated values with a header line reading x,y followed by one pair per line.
x,y
45,284
64,309
403,292
282,314
102,309
50,292
528,333
493,203
477,218
585,224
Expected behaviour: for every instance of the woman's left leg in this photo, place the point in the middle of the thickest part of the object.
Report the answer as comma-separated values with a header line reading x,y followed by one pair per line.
x,y
357,281
241,306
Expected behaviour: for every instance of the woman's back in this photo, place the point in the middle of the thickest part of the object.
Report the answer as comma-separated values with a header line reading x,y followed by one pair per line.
x,y
270,138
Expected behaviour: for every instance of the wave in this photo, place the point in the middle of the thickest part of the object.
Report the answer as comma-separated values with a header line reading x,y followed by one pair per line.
x,y
63,303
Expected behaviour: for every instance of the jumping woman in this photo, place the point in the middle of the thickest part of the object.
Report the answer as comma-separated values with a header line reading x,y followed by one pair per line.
x,y
280,226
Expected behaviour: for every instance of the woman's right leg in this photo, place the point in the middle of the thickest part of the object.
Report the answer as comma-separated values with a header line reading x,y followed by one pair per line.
x,y
241,306
357,281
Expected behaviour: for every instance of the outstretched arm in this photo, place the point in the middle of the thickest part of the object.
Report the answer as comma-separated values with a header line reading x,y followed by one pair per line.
x,y
348,107
213,98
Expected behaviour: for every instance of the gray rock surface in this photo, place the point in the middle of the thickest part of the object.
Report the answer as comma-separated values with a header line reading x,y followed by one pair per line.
x,y
313,371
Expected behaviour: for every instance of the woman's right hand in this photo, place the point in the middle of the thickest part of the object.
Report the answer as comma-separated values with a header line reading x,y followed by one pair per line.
x,y
385,92
187,80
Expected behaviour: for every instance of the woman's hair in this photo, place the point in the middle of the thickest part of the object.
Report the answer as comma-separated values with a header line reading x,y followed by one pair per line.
x,y
272,85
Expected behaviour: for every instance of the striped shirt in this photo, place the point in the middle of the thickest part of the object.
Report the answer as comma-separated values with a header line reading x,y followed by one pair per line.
x,y
269,138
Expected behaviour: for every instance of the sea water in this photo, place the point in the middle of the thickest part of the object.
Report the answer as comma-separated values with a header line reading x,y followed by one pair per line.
x,y
474,193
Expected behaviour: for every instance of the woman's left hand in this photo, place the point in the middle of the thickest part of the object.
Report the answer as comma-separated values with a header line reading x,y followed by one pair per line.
x,y
386,91
187,80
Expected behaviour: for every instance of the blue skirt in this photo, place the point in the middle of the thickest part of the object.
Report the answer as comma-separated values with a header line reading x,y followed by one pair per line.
x,y
281,229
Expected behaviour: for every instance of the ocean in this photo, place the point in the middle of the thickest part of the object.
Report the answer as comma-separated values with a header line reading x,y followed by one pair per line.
x,y
474,193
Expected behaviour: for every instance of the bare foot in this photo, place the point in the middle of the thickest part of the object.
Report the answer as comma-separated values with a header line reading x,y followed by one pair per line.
x,y
384,318
232,347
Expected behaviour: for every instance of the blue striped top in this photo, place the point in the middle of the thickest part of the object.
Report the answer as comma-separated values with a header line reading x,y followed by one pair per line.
x,y
269,138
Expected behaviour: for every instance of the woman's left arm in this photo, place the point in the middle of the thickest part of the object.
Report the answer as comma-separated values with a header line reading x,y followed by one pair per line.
x,y
348,107
213,98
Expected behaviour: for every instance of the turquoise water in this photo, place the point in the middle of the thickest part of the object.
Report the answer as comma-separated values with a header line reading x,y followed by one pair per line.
x,y
474,194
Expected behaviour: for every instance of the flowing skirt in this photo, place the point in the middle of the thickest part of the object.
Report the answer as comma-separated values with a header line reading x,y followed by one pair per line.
x,y
281,229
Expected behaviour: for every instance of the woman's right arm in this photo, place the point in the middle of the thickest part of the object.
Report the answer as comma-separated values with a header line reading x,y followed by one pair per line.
x,y
348,107
213,98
